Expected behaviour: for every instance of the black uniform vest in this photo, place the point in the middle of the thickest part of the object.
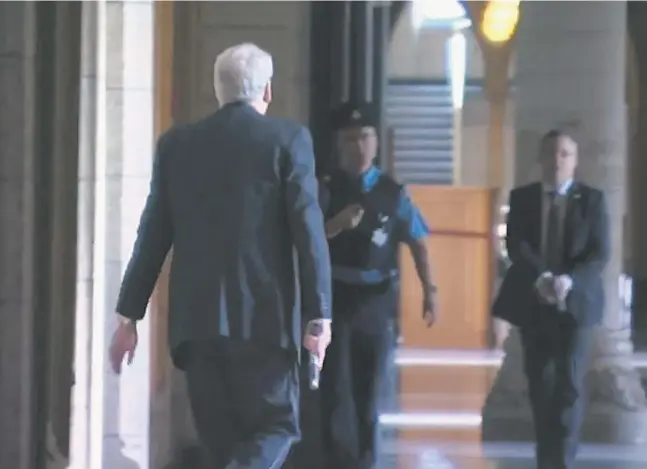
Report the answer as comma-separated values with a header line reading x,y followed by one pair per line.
x,y
371,245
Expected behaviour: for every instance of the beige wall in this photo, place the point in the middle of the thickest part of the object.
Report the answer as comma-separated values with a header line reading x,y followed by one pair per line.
x,y
421,54
282,28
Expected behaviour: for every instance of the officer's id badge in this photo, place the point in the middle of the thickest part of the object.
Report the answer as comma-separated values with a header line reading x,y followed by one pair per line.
x,y
379,237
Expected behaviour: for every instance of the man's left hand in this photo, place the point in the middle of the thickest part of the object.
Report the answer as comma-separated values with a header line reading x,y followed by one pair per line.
x,y
429,310
123,344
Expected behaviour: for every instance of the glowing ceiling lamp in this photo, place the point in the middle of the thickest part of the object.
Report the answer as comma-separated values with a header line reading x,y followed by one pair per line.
x,y
500,20
440,13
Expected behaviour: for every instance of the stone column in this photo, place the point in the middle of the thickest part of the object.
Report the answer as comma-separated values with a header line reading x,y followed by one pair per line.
x,y
39,51
17,73
571,74
381,33
330,36
60,94
117,147
638,171
81,402
125,178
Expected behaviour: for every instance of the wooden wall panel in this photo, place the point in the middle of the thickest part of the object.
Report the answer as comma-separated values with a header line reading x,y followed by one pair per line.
x,y
466,211
164,33
461,252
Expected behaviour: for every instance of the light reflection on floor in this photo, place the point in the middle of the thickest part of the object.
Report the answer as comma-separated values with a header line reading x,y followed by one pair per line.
x,y
609,453
501,456
431,419
469,358
435,411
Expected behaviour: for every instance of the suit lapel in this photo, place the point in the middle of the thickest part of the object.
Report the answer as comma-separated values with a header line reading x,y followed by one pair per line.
x,y
535,211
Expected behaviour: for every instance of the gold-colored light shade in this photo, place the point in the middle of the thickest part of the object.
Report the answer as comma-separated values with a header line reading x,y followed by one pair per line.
x,y
500,20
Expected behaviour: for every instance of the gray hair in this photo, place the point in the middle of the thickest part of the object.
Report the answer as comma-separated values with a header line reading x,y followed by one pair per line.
x,y
241,73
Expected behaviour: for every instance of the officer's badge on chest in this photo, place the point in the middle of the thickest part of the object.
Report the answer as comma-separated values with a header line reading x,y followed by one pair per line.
x,y
380,237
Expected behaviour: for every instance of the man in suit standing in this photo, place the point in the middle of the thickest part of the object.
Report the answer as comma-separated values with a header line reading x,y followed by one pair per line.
x,y
558,243
234,194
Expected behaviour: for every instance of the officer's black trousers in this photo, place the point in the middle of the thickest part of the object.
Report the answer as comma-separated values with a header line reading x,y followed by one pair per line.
x,y
353,371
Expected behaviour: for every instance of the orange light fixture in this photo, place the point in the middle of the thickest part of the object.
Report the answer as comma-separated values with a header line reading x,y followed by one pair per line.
x,y
500,20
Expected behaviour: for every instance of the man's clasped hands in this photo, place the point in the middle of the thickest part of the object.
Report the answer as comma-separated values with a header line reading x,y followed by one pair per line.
x,y
553,289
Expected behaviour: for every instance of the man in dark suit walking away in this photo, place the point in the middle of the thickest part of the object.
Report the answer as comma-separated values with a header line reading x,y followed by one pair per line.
x,y
234,194
558,242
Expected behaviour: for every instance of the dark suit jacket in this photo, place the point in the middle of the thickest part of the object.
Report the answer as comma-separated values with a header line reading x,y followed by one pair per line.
x,y
586,252
234,194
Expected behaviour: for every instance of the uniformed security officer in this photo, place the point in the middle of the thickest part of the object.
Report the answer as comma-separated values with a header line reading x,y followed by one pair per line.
x,y
368,215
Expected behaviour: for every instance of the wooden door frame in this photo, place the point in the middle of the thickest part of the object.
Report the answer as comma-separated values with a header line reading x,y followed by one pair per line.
x,y
163,112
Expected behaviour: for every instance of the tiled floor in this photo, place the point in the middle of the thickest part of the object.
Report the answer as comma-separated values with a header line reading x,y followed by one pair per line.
x,y
447,402
441,416
466,358
500,456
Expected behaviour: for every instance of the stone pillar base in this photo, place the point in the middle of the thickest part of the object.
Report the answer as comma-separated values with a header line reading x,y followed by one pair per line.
x,y
611,424
617,411
506,413
55,460
603,424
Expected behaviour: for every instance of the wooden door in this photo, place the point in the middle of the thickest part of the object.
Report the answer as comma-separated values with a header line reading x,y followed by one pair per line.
x,y
461,248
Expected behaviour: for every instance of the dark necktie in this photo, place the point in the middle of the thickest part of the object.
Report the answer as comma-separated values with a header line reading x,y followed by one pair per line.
x,y
553,255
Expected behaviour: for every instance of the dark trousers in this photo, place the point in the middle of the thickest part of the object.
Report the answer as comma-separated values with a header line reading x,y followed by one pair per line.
x,y
353,372
556,359
244,400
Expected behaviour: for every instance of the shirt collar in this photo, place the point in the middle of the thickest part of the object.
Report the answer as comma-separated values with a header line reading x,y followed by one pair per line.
x,y
369,178
562,189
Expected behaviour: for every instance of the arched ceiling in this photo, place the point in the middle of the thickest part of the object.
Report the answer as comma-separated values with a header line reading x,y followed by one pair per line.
x,y
397,7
